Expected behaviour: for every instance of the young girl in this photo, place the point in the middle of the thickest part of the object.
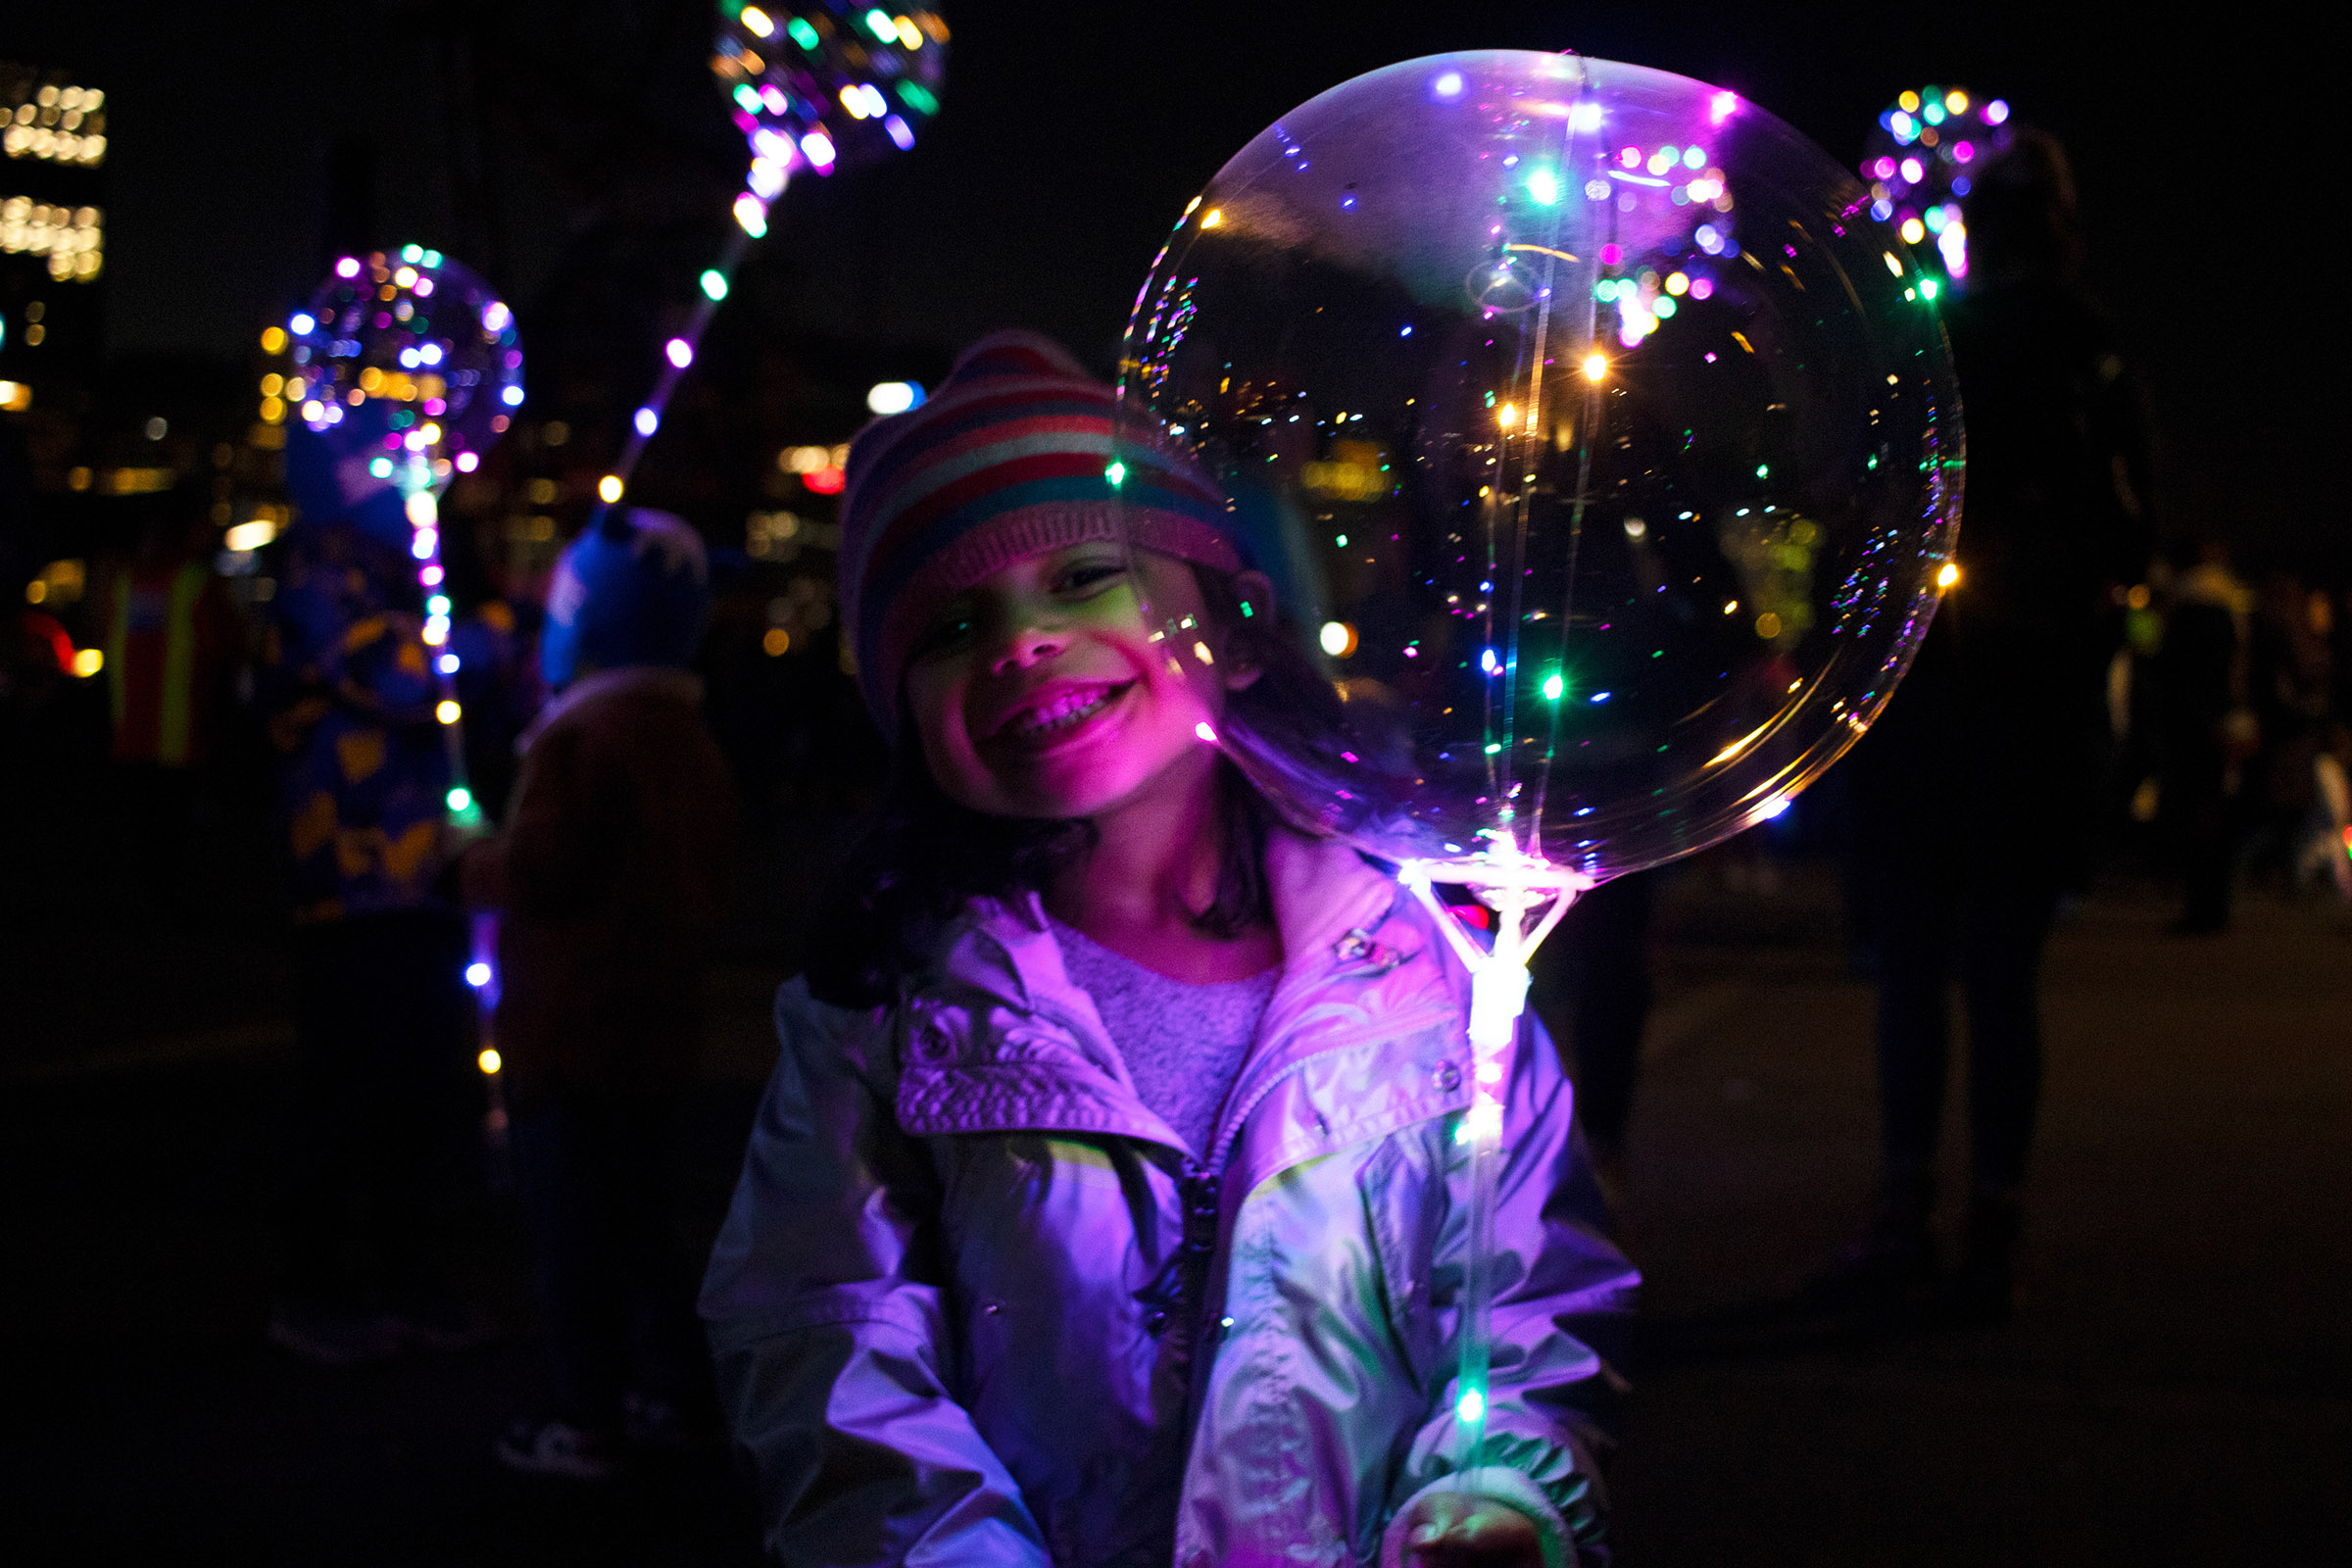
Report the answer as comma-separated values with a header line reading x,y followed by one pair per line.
x,y
1106,1207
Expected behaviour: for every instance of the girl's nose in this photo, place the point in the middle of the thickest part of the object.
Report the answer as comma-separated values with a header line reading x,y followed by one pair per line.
x,y
1027,644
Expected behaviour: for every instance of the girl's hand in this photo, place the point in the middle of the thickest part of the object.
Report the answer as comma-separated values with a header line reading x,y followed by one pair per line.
x,y
1464,1530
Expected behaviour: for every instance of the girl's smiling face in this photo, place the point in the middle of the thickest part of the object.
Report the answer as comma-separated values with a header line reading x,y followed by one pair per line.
x,y
1041,692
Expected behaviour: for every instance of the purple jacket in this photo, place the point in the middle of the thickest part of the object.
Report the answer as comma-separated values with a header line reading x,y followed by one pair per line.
x,y
952,1307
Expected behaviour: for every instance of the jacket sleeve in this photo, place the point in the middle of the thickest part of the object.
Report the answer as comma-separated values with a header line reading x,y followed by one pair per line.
x,y
827,1326
1563,1302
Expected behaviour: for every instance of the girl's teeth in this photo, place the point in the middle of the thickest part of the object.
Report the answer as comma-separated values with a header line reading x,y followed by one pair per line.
x,y
1061,715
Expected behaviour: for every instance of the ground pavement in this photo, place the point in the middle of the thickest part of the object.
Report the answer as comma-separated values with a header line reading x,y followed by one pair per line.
x,y
2179,1390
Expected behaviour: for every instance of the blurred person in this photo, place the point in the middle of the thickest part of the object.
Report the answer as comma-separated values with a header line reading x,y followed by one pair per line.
x,y
2289,681
1975,796
2209,731
608,878
381,1010
170,645
1594,971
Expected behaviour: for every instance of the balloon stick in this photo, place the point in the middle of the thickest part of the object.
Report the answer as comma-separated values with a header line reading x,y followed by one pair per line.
x,y
1528,895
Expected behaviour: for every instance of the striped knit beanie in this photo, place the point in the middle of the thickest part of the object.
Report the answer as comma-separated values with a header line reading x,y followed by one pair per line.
x,y
1009,458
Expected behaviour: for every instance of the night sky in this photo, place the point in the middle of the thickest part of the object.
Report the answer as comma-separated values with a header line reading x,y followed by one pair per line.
x,y
1072,135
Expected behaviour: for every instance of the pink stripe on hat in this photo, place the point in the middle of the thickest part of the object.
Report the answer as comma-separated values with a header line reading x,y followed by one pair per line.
x,y
1006,460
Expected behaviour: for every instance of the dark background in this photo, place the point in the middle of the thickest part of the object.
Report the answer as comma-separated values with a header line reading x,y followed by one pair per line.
x,y
577,151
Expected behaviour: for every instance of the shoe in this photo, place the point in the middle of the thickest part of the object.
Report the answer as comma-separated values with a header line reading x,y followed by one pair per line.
x,y
558,1449
333,1337
1982,1291
446,1325
1887,1274
654,1425
1876,1279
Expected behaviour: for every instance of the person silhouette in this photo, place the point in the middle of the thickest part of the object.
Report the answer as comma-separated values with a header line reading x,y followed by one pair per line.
x,y
1975,797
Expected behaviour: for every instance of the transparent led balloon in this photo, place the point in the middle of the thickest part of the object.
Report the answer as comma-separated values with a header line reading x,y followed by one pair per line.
x,y
407,365
1602,449
402,369
1603,454
829,84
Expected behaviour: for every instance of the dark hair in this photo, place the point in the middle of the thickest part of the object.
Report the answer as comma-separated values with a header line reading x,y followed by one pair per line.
x,y
923,855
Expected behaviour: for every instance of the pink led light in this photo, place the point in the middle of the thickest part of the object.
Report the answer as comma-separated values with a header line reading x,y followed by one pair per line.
x,y
1611,255
348,266
468,461
679,350
431,574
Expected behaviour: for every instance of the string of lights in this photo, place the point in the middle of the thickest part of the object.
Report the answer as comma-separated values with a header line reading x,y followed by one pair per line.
x,y
826,88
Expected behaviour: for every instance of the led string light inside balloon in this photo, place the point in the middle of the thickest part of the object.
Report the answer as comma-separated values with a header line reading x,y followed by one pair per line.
x,y
818,87
1921,161
410,368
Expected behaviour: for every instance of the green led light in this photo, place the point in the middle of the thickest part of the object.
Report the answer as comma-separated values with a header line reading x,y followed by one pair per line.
x,y
1763,470
461,799
1543,187
917,98
1554,688
1492,747
1926,288
801,33
883,27
1116,473
1471,1406
748,97
714,283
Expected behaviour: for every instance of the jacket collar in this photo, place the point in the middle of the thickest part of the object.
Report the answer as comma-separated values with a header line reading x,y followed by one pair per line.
x,y
1000,1039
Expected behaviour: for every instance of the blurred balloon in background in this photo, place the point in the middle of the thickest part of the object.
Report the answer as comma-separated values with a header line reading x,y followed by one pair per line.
x,y
401,372
404,370
1603,449
829,84
1921,160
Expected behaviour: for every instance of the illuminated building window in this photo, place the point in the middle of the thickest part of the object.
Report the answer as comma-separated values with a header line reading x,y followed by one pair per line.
x,y
72,238
50,122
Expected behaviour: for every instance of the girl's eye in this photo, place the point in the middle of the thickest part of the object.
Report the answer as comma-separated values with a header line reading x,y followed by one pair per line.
x,y
944,633
1090,574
